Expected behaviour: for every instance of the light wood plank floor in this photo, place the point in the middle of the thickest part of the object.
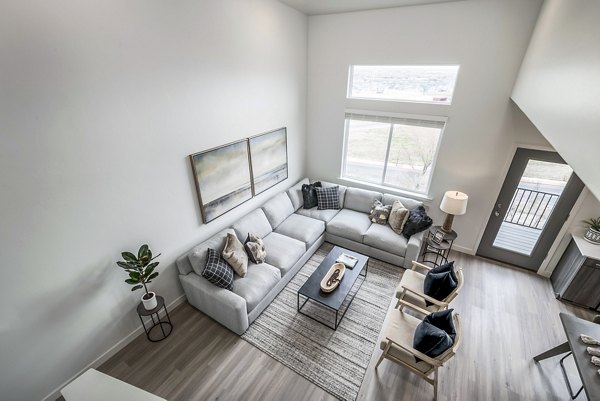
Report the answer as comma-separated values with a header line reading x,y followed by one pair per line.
x,y
509,315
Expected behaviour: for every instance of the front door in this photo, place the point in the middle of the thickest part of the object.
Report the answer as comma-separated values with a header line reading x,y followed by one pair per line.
x,y
535,200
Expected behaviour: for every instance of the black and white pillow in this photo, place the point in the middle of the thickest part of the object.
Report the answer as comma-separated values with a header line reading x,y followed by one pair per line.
x,y
328,198
217,270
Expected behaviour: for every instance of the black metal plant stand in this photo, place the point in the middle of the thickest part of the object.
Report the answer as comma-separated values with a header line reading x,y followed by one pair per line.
x,y
160,326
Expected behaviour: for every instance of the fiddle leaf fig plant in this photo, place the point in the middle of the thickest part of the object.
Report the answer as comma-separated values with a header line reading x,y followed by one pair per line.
x,y
594,223
140,268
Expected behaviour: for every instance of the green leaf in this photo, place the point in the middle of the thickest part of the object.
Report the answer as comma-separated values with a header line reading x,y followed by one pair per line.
x,y
125,265
153,276
135,276
129,257
150,268
137,287
130,281
143,251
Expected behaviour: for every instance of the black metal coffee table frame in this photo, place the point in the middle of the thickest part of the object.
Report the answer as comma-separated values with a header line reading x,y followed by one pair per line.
x,y
363,267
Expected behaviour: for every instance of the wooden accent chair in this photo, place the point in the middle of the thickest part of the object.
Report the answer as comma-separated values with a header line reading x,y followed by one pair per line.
x,y
397,341
410,289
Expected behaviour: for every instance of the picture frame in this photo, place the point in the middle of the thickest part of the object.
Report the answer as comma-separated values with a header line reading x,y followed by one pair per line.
x,y
268,159
438,237
223,178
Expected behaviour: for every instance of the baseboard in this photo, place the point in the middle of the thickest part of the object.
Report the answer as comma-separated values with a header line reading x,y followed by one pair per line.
x,y
109,353
463,249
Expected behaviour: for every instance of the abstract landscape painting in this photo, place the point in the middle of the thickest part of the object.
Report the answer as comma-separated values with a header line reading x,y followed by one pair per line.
x,y
268,155
222,178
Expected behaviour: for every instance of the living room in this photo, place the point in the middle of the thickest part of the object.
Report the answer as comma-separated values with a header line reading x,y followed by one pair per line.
x,y
109,99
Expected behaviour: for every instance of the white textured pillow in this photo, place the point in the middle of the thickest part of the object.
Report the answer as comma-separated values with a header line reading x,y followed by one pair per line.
x,y
398,217
235,255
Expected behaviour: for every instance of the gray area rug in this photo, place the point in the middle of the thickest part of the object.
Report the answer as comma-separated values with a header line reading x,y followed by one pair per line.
x,y
334,360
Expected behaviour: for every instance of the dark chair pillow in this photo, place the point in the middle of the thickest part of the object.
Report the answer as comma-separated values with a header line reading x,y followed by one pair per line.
x,y
328,198
217,270
430,340
443,320
439,285
446,267
417,221
309,195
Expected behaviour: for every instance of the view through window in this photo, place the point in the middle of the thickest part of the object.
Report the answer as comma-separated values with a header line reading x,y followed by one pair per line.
x,y
391,151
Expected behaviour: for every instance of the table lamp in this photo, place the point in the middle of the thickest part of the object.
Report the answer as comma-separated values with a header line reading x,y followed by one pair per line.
x,y
454,203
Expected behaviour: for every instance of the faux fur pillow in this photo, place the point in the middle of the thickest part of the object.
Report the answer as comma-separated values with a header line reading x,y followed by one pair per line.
x,y
255,248
235,255
380,213
398,217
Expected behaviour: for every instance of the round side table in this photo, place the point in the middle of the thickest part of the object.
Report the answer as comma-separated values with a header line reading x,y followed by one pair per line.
x,y
164,327
434,253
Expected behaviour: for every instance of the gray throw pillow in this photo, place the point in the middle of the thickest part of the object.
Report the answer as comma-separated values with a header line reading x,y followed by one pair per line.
x,y
398,217
235,255
217,270
380,213
255,248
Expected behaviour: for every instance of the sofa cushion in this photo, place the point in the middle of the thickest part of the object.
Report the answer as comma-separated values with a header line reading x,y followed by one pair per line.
x,y
302,228
197,256
283,251
328,198
361,200
217,270
341,190
383,237
259,280
295,194
349,224
417,221
314,213
255,222
235,254
278,208
388,199
380,213
309,195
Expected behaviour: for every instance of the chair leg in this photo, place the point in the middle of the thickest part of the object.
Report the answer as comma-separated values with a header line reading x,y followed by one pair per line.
x,y
383,354
435,384
397,304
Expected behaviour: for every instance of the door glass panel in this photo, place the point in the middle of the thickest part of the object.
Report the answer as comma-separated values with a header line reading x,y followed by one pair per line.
x,y
533,202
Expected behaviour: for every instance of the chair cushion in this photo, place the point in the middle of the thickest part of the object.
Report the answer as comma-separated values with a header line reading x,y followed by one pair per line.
x,y
398,217
389,199
383,237
431,340
197,256
302,228
361,200
328,198
417,221
278,208
255,248
440,282
283,251
255,222
413,280
259,280
380,213
295,194
217,270
314,213
309,195
350,224
235,254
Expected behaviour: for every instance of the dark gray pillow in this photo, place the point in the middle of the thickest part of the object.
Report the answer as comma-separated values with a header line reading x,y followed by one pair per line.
x,y
328,198
309,195
443,320
435,334
440,282
217,270
417,221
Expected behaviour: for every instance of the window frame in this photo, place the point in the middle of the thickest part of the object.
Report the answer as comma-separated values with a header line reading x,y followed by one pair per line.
x,y
381,184
351,81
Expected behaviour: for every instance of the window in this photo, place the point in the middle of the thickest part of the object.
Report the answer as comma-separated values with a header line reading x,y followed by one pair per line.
x,y
391,150
410,83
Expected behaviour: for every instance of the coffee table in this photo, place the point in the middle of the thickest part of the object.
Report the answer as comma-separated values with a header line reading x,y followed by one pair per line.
x,y
311,289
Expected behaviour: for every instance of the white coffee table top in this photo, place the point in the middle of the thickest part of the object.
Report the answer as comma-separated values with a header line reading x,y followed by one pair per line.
x,y
97,386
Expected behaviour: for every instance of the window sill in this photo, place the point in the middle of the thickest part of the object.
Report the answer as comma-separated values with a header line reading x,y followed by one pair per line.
x,y
390,190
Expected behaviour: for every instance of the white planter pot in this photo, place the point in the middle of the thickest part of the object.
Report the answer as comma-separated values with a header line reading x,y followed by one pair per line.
x,y
150,303
592,236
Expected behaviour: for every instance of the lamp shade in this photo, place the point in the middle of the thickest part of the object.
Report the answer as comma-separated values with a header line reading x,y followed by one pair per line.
x,y
454,202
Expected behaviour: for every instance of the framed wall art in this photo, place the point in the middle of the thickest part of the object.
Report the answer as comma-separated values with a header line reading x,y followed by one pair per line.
x,y
268,159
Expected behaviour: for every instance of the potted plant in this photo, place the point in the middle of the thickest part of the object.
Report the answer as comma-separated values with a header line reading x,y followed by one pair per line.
x,y
141,272
593,233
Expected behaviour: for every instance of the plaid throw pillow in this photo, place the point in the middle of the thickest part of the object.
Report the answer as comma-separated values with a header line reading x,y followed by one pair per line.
x,y
328,198
217,270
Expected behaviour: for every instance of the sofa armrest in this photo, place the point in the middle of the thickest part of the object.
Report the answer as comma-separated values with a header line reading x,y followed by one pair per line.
x,y
222,305
413,249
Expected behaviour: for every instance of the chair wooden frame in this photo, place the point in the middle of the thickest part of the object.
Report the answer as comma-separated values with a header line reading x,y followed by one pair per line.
x,y
435,363
439,305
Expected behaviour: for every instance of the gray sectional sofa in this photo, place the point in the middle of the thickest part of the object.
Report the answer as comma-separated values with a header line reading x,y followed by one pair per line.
x,y
291,235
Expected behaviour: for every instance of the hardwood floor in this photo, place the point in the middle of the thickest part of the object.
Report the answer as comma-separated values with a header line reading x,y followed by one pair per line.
x,y
509,315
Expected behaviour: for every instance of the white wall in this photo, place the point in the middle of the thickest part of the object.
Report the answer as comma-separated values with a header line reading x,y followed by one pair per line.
x,y
486,38
100,104
559,83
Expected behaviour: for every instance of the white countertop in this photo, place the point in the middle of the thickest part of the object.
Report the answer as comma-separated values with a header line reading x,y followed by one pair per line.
x,y
586,248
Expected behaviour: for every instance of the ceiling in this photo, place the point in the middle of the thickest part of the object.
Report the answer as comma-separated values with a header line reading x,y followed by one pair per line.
x,y
317,7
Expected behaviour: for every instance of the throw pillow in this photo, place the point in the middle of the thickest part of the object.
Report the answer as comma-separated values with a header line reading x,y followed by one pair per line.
x,y
217,270
380,213
417,221
255,248
432,340
309,195
235,255
328,198
439,283
398,216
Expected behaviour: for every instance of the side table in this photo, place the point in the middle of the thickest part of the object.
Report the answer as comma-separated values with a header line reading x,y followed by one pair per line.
x,y
166,327
434,253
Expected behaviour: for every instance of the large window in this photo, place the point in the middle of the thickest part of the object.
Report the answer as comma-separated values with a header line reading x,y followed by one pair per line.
x,y
391,150
410,83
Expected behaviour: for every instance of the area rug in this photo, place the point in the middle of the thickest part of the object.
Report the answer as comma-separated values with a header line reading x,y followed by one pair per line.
x,y
333,360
